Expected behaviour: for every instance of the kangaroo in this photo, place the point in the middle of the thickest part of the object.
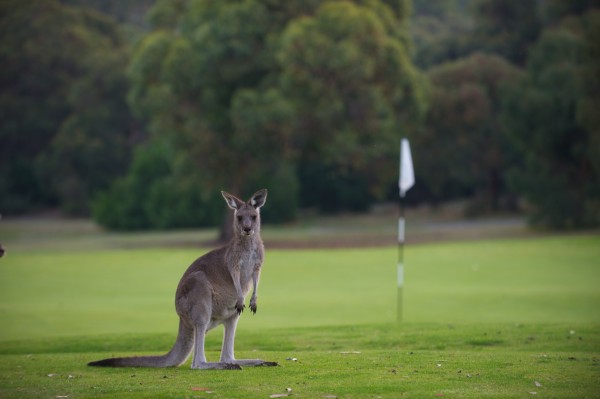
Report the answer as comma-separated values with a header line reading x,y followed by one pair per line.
x,y
211,292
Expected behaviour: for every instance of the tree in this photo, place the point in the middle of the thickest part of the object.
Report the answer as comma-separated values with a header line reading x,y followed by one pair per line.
x,y
162,190
347,75
462,145
64,124
589,104
35,71
442,31
507,27
201,80
225,81
550,120
92,144
435,8
555,10
130,11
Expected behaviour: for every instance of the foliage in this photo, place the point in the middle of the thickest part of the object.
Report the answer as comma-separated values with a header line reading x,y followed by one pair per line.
x,y
346,72
436,8
445,31
552,126
130,11
64,124
308,98
441,31
284,198
329,190
556,92
161,191
507,28
189,88
462,147
555,10
198,79
91,146
245,87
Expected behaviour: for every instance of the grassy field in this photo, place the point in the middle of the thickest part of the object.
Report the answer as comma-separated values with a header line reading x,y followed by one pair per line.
x,y
496,318
363,361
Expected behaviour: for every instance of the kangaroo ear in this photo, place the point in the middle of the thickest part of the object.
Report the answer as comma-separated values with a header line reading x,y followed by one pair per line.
x,y
259,198
232,201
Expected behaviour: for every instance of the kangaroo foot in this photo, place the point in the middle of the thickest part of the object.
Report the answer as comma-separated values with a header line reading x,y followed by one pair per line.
x,y
255,363
216,366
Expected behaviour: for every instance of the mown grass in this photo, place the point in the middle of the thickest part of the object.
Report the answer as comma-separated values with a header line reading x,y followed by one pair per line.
x,y
45,294
385,360
485,319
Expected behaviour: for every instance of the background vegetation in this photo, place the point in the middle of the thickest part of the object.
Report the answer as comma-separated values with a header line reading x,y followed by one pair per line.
x,y
138,112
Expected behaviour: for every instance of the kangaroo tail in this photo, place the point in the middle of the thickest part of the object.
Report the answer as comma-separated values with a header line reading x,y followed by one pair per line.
x,y
177,355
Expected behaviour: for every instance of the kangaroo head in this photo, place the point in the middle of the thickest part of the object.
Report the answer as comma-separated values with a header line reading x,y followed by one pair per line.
x,y
246,215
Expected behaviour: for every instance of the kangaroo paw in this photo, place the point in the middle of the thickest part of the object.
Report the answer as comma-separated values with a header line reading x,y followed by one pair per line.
x,y
239,307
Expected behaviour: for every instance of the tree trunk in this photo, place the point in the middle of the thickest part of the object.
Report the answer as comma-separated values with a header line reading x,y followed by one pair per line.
x,y
226,233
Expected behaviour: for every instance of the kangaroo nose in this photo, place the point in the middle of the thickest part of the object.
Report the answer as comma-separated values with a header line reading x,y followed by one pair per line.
x,y
247,229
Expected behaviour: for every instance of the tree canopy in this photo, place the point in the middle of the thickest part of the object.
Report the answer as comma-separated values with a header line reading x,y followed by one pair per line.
x,y
462,145
553,127
248,86
141,120
64,125
347,73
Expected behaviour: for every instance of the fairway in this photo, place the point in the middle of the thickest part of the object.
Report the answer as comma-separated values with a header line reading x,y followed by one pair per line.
x,y
481,319
53,294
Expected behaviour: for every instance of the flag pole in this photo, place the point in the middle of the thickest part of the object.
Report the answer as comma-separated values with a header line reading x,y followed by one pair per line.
x,y
405,182
400,276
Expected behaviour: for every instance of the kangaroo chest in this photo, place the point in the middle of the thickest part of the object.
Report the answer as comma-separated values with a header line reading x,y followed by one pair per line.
x,y
246,261
249,261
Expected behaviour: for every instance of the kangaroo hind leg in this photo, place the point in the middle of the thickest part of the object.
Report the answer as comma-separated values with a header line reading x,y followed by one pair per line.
x,y
227,352
199,361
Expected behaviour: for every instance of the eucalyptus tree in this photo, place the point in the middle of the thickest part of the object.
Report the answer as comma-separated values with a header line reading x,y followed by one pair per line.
x,y
248,88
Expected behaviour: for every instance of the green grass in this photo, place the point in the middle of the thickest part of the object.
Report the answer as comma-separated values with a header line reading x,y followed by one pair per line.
x,y
483,319
413,360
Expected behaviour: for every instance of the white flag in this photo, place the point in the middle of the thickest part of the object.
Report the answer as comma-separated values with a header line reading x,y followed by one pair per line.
x,y
407,173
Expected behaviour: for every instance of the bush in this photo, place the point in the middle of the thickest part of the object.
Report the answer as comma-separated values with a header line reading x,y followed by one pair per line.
x,y
330,191
283,199
161,191
174,203
119,207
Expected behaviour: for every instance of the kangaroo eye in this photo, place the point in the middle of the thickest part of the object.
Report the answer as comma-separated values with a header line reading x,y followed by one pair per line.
x,y
239,218
253,217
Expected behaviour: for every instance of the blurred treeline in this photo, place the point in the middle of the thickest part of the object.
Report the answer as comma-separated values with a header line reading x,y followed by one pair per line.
x,y
139,112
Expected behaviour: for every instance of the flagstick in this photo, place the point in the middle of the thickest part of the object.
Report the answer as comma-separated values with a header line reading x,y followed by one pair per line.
x,y
401,225
405,182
